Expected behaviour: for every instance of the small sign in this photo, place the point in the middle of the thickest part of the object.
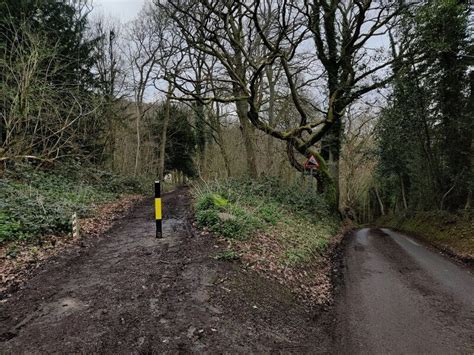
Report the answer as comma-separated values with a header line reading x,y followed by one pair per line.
x,y
311,163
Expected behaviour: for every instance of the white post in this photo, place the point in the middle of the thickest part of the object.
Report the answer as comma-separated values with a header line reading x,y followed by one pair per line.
x,y
75,226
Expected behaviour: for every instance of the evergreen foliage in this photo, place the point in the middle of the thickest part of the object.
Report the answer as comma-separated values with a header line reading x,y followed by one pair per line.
x,y
49,108
181,140
426,131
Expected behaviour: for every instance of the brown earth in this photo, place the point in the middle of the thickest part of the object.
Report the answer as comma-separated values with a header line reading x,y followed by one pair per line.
x,y
130,292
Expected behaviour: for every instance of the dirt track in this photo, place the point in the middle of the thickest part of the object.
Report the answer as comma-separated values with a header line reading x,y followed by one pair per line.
x,y
129,292
402,298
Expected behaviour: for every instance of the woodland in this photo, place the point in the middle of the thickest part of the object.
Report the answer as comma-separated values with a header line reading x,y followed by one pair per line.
x,y
380,92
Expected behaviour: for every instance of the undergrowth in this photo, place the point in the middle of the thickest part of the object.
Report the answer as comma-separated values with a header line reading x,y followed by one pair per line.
x,y
36,202
299,218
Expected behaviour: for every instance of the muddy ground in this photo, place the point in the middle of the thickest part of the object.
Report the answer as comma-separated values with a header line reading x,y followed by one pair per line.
x,y
128,292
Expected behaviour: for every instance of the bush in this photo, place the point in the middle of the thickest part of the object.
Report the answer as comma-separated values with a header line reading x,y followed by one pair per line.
x,y
226,219
270,213
211,201
299,218
232,228
294,197
207,218
36,202
8,227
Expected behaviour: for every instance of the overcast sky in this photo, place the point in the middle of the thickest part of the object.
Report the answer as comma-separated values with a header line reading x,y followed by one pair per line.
x,y
124,10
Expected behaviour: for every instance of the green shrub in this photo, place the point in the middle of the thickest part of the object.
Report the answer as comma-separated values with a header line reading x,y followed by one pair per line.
x,y
233,229
224,218
204,203
207,218
211,201
307,221
8,227
294,197
219,200
270,213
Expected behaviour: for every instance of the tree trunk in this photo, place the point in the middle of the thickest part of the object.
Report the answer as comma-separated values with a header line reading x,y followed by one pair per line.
x,y
200,124
220,138
379,200
242,106
471,182
164,132
139,113
330,151
471,137
248,135
402,188
226,159
271,115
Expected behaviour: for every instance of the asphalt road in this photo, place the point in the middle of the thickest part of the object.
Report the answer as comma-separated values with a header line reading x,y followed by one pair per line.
x,y
401,298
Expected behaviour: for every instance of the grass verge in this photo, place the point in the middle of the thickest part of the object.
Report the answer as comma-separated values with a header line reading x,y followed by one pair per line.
x,y
273,228
451,232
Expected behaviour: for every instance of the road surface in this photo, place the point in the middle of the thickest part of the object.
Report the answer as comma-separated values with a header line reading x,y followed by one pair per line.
x,y
400,297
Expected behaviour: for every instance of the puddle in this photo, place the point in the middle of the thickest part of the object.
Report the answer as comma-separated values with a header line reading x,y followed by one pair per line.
x,y
173,225
63,307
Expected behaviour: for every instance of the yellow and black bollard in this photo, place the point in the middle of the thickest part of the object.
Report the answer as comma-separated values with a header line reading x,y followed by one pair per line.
x,y
159,227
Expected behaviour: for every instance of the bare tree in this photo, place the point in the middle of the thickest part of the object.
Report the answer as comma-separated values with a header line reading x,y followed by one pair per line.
x,y
108,61
232,52
216,115
246,42
170,56
144,41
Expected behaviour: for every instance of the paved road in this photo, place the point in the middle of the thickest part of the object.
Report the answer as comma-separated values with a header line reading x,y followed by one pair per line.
x,y
401,298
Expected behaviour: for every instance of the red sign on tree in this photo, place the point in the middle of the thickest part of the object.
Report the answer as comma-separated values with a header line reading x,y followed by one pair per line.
x,y
311,163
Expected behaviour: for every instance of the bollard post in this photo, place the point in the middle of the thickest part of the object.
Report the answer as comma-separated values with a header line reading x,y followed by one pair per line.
x,y
158,209
75,226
